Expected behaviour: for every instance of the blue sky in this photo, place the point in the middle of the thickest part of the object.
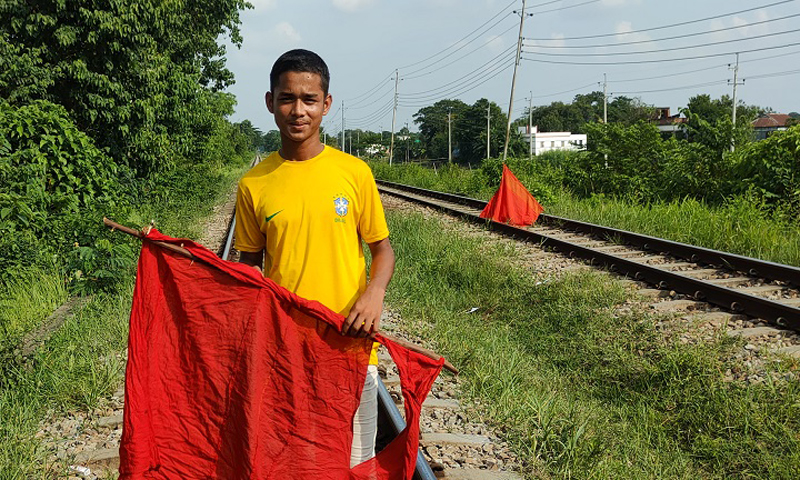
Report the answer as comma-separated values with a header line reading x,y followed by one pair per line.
x,y
364,41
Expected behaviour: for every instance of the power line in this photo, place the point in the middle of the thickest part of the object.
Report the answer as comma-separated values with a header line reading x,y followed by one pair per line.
x,y
462,39
410,74
422,104
672,49
493,60
772,75
685,87
636,62
546,95
450,90
657,77
680,24
674,37
566,7
365,104
440,67
348,100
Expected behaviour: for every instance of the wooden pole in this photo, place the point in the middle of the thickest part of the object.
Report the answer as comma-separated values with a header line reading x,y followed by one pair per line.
x,y
141,235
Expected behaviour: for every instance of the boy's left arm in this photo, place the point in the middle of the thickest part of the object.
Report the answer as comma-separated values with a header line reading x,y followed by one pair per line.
x,y
365,316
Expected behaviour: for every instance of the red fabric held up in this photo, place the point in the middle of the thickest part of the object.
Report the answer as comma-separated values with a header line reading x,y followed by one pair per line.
x,y
231,376
512,203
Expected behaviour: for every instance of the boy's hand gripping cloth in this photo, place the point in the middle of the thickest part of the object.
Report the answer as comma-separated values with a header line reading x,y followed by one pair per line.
x,y
231,376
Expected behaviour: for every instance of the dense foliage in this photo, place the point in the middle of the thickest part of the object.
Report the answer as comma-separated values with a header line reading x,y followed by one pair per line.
x,y
106,106
586,109
468,130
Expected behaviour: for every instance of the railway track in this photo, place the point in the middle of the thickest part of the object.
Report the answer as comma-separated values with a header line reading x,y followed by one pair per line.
x,y
742,285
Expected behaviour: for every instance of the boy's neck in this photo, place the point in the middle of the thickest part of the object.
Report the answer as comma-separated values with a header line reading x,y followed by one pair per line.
x,y
298,152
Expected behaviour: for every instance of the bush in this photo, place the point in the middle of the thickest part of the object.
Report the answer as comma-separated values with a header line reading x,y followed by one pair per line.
x,y
49,171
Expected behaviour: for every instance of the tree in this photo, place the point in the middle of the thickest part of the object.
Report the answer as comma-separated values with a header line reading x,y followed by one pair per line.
x,y
142,79
709,123
432,123
586,108
470,131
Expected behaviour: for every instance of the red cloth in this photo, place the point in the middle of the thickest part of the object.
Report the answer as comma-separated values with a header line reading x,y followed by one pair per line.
x,y
231,376
512,203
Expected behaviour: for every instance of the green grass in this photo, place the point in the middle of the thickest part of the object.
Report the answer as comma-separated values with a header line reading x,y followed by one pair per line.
x,y
742,225
82,362
25,303
580,391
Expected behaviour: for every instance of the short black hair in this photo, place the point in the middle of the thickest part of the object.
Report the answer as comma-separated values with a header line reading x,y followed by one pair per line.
x,y
300,60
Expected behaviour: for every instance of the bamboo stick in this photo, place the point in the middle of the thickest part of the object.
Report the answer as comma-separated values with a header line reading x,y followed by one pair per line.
x,y
186,253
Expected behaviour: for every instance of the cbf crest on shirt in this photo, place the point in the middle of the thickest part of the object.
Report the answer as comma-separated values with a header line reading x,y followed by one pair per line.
x,y
341,205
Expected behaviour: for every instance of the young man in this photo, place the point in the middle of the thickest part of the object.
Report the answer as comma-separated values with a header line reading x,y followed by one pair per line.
x,y
308,207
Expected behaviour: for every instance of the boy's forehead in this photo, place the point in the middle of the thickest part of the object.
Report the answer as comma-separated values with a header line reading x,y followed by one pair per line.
x,y
293,80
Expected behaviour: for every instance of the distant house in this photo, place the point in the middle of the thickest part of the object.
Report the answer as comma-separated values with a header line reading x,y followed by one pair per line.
x,y
765,125
668,124
547,141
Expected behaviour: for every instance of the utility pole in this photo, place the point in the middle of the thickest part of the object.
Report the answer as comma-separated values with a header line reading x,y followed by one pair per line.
x,y
605,113
488,129
735,82
449,138
394,114
408,141
351,143
514,80
325,138
605,99
342,145
530,127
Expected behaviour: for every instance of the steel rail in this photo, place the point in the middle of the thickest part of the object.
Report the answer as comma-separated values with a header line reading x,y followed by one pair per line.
x,y
780,314
397,424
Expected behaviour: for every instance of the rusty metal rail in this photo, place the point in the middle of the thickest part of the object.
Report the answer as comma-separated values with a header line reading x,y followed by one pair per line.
x,y
780,314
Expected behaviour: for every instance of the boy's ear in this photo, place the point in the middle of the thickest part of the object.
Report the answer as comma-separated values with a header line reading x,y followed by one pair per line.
x,y
326,106
268,98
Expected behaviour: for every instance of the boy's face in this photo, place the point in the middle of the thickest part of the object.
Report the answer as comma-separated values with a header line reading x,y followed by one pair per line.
x,y
298,104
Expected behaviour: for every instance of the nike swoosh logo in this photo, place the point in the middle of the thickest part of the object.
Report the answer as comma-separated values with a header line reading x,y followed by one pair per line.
x,y
270,217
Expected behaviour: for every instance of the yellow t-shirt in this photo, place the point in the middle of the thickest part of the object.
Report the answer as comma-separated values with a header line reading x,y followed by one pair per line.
x,y
310,217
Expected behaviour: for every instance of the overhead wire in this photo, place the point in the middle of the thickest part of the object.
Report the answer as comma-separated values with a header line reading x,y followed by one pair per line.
x,y
567,7
364,104
449,91
672,49
380,84
501,55
685,87
636,62
463,91
674,37
462,39
411,74
440,67
679,24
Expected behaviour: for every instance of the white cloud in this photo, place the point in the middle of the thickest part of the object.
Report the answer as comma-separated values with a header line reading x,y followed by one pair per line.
x,y
496,43
557,40
746,29
619,3
352,5
285,33
623,29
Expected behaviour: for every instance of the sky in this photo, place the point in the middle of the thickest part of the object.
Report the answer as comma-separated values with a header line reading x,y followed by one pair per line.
x,y
661,52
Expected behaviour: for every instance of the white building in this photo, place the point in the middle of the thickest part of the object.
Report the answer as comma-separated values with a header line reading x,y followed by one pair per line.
x,y
546,141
